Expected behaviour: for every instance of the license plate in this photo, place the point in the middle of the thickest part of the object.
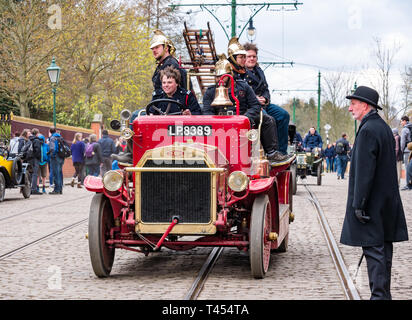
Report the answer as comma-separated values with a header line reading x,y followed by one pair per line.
x,y
189,130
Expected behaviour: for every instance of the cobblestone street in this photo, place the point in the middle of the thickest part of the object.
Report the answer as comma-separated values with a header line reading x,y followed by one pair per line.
x,y
59,267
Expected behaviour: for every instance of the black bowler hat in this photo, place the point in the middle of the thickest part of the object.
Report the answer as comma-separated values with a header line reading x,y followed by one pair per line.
x,y
366,94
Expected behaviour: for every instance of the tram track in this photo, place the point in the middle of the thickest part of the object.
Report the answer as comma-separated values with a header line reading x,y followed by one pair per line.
x,y
43,238
204,272
351,293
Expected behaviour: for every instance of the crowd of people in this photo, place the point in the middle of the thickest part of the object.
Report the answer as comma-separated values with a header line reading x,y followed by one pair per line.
x,y
89,156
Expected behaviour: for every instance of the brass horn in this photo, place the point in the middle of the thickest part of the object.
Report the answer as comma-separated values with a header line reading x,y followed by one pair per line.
x,y
125,116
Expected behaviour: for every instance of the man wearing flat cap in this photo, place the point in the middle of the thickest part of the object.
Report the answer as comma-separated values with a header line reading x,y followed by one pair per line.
x,y
374,213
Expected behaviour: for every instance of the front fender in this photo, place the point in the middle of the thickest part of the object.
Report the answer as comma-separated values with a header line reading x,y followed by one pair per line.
x,y
261,185
93,184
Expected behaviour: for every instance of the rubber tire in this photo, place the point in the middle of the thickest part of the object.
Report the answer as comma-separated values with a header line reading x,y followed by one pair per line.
x,y
2,187
258,250
319,173
26,190
100,222
17,171
294,178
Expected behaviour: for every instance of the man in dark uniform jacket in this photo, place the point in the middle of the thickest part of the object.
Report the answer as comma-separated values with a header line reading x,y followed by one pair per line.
x,y
171,90
374,213
249,107
163,50
255,77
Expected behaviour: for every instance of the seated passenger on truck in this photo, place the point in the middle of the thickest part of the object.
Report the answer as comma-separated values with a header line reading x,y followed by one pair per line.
x,y
171,90
248,106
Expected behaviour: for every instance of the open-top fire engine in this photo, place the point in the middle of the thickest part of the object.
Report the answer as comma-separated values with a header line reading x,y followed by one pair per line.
x,y
201,176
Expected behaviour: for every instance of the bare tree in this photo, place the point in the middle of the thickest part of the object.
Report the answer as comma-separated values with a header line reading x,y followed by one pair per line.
x,y
406,88
384,60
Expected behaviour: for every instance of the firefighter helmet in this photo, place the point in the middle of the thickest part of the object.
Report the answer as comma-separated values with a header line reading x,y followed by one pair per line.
x,y
223,66
160,38
235,48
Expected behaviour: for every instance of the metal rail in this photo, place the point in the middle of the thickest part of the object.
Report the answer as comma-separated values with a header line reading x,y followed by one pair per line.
x,y
349,288
41,208
55,233
200,280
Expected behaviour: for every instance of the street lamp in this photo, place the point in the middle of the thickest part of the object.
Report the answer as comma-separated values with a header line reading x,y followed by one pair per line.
x,y
251,31
54,75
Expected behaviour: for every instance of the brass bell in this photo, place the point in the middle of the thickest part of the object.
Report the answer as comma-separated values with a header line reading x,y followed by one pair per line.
x,y
221,97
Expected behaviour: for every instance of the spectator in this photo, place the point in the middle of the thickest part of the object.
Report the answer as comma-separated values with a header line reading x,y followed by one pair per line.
x,y
342,149
93,156
409,170
406,137
398,152
56,162
121,145
44,161
330,156
107,148
374,216
23,140
335,161
34,158
14,145
78,147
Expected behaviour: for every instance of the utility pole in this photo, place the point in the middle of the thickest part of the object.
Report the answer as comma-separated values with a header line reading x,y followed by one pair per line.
x,y
233,18
319,92
233,4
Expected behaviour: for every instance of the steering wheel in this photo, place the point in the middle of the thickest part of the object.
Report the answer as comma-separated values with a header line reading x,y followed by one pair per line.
x,y
152,103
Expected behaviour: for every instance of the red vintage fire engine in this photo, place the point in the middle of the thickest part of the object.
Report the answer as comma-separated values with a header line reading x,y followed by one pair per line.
x,y
200,176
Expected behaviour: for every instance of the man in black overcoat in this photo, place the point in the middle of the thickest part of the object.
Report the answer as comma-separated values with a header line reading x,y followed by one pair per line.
x,y
374,213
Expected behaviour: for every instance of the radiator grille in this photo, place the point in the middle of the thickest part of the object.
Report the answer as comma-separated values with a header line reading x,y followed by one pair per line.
x,y
166,194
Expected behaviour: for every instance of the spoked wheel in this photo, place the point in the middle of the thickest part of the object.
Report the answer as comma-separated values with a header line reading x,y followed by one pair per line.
x,y
2,187
261,222
319,173
100,223
26,190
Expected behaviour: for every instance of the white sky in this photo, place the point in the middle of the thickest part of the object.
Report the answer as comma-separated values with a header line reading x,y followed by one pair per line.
x,y
322,35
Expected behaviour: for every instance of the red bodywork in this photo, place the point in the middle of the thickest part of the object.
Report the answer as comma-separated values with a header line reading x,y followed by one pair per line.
x,y
229,148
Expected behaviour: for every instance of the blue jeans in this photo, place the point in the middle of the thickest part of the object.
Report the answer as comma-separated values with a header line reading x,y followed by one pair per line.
x,y
341,161
56,165
329,164
282,118
35,165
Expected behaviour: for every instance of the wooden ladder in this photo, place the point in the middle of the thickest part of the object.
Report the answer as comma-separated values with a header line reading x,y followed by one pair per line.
x,y
202,53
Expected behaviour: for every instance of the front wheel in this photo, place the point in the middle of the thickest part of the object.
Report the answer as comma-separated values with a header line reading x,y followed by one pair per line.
x,y
26,190
319,173
2,187
100,223
260,228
